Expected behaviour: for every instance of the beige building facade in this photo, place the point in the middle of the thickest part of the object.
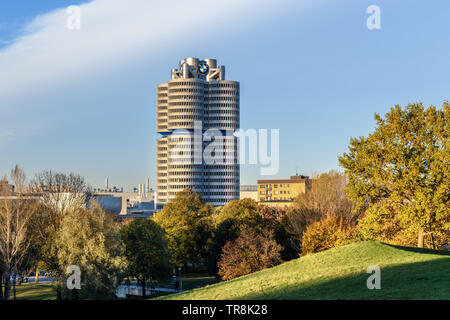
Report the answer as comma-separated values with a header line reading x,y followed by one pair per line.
x,y
282,192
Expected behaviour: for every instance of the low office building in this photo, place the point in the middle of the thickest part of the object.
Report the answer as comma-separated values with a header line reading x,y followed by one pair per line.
x,y
282,192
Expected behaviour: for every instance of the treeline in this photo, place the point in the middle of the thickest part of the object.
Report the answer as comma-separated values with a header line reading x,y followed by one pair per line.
x,y
395,189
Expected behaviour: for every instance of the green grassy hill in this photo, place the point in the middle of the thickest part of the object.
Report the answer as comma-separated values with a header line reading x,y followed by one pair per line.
x,y
340,273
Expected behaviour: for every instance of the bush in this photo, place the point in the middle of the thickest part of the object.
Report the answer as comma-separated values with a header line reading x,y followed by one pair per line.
x,y
249,253
325,234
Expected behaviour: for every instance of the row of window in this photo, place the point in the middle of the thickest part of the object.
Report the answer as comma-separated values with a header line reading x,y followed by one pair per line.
x,y
187,97
219,91
186,103
186,110
185,117
222,98
230,111
163,195
190,85
185,180
224,85
191,90
276,198
275,185
275,192
200,173
233,118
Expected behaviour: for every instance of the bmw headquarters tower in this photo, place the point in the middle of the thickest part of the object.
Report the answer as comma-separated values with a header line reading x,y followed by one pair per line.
x,y
197,115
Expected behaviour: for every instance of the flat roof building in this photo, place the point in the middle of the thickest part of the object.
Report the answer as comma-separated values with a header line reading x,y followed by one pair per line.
x,y
248,192
282,192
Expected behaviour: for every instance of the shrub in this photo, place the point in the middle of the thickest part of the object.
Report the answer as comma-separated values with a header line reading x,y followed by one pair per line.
x,y
330,232
250,252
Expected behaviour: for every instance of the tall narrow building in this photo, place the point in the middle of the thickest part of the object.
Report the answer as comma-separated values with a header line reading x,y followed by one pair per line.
x,y
197,114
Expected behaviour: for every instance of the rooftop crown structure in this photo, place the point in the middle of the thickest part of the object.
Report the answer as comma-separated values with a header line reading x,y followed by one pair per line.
x,y
198,101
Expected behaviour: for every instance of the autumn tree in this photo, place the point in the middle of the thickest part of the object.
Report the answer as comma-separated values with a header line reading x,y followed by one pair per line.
x,y
246,215
147,251
276,219
332,231
248,253
90,239
230,221
399,175
16,211
326,197
187,223
58,193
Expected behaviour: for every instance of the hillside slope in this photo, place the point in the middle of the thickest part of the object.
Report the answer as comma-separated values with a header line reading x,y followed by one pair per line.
x,y
340,273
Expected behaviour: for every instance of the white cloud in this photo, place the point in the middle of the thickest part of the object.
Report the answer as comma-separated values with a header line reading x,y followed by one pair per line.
x,y
112,31
40,67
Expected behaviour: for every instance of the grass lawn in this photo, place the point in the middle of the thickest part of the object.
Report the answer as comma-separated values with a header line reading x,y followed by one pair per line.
x,y
196,280
189,281
340,273
31,291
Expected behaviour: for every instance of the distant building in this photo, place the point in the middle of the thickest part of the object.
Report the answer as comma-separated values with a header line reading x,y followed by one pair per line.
x,y
282,192
123,203
5,186
248,192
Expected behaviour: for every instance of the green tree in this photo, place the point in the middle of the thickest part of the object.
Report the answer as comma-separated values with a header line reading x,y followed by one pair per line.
x,y
90,239
187,221
147,251
399,175
59,194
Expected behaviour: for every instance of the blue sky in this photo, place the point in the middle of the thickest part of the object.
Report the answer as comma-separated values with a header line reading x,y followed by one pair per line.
x,y
84,101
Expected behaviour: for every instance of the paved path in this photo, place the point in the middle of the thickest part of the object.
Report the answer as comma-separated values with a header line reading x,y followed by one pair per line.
x,y
41,280
123,290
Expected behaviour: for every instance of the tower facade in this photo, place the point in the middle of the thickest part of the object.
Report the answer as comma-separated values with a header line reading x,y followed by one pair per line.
x,y
197,114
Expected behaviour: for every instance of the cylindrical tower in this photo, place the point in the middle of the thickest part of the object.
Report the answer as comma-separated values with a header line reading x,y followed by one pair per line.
x,y
198,111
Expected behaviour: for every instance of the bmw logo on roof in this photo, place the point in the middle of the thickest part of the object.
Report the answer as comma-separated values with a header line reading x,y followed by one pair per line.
x,y
203,68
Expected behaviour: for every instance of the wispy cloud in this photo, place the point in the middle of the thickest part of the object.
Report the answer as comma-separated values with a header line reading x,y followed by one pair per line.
x,y
47,58
112,30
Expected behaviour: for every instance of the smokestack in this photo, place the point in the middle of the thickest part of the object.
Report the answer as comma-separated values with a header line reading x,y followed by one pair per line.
x,y
106,184
148,185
